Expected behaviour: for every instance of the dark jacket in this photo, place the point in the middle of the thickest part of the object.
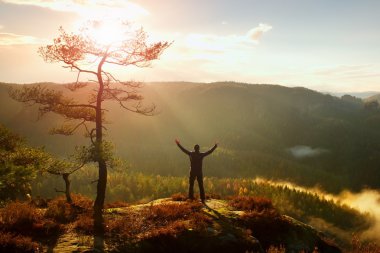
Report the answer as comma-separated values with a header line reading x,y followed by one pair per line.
x,y
196,158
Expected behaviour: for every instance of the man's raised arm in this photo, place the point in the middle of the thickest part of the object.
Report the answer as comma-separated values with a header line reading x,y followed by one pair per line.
x,y
211,150
187,152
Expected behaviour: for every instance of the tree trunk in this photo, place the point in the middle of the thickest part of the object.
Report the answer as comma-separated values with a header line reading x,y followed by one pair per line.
x,y
67,189
102,179
100,197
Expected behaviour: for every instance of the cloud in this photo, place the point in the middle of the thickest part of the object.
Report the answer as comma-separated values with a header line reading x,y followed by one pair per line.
x,y
218,44
349,71
306,151
8,39
256,33
91,9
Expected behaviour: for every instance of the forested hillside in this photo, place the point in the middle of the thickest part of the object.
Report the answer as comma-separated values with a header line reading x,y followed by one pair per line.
x,y
263,130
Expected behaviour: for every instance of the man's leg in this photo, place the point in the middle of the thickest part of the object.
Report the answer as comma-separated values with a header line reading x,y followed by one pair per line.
x,y
201,189
191,185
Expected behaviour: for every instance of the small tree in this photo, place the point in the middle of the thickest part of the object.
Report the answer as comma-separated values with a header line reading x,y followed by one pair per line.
x,y
81,52
19,165
64,169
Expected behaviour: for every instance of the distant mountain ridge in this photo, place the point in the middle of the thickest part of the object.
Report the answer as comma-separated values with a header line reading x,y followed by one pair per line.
x,y
257,126
361,95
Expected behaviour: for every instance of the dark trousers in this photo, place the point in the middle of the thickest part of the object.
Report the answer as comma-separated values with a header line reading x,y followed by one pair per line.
x,y
199,177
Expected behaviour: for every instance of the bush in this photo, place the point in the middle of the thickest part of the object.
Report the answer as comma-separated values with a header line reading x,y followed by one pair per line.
x,y
16,243
85,223
82,202
169,230
157,221
25,219
19,216
249,203
179,197
63,212
172,211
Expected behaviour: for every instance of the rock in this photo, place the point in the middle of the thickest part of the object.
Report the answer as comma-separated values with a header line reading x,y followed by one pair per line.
x,y
227,231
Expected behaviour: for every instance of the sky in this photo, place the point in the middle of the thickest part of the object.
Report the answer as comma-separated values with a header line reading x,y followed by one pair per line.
x,y
323,45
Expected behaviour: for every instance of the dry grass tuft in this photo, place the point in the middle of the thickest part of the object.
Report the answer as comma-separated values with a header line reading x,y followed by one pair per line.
x,y
158,221
249,203
24,218
85,223
116,204
82,202
173,211
16,243
19,215
179,197
63,212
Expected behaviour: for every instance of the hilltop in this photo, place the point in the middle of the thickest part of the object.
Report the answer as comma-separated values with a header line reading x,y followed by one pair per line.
x,y
276,132
241,224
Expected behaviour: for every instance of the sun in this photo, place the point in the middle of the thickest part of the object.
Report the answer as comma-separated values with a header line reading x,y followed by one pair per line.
x,y
107,32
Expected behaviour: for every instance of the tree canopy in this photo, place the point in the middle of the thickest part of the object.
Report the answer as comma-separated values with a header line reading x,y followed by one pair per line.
x,y
19,165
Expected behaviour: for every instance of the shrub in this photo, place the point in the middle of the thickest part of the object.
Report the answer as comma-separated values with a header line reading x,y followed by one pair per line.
x,y
85,223
249,203
16,243
179,197
19,216
25,219
173,211
199,221
127,227
159,220
169,230
61,211
82,202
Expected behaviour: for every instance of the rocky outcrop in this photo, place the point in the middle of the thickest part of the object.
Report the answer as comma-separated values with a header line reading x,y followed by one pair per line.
x,y
231,230
214,227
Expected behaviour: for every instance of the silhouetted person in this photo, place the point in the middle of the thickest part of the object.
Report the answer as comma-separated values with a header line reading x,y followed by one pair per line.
x,y
196,159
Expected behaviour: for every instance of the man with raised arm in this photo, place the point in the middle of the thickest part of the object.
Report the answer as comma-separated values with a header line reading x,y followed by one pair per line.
x,y
196,159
